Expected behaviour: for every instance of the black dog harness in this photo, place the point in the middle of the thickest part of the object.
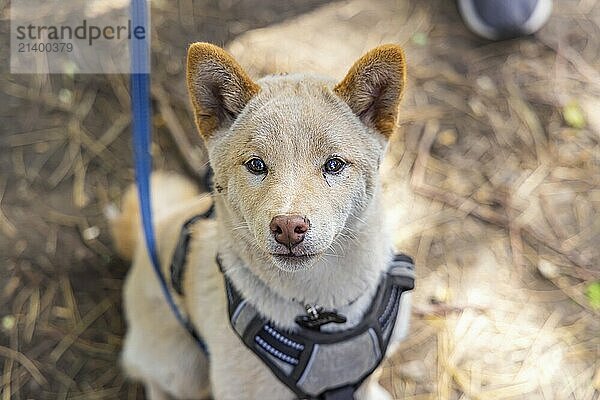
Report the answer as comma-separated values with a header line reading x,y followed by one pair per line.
x,y
313,364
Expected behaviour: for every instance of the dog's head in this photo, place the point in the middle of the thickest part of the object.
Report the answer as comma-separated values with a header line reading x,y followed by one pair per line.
x,y
295,157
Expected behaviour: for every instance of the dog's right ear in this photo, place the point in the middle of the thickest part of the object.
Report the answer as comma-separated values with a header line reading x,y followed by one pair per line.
x,y
218,86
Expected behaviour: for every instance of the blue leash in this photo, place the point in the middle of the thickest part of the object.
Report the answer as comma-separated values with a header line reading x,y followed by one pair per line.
x,y
142,134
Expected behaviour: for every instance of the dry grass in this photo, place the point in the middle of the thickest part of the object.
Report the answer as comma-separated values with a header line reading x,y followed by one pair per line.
x,y
503,214
492,191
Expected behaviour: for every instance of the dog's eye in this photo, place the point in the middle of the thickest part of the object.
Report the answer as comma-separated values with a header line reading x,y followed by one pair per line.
x,y
256,166
334,165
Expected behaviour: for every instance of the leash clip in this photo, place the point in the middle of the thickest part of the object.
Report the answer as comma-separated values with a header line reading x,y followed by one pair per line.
x,y
313,311
316,317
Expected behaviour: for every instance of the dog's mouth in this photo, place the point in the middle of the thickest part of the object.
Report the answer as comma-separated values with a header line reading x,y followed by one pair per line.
x,y
292,256
294,262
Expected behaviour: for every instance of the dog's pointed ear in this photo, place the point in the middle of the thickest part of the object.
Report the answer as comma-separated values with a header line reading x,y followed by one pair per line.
x,y
374,86
219,88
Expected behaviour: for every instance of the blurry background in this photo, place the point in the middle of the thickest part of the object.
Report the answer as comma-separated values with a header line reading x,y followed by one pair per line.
x,y
493,183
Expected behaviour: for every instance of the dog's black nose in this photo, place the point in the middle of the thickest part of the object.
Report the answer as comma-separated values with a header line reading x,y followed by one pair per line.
x,y
289,230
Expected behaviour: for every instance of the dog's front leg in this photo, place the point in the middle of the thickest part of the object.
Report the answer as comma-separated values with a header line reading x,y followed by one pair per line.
x,y
154,392
371,389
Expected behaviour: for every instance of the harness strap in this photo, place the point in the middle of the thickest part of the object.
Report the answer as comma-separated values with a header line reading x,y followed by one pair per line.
x,y
179,258
343,393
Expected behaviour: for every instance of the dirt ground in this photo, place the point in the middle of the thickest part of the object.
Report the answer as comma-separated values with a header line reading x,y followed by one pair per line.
x,y
493,184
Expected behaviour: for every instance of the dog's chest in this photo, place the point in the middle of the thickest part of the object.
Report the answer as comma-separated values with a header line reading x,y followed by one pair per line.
x,y
235,370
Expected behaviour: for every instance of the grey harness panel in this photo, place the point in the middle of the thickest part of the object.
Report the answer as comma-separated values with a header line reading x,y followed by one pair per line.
x,y
313,364
339,363
325,365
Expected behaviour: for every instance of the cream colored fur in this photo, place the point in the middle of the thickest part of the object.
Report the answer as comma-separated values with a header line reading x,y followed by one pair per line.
x,y
294,123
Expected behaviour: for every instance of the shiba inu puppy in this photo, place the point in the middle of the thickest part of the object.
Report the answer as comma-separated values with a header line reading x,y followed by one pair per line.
x,y
298,222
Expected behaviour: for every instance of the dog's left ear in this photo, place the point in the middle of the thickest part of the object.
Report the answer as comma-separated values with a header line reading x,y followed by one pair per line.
x,y
374,85
219,88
